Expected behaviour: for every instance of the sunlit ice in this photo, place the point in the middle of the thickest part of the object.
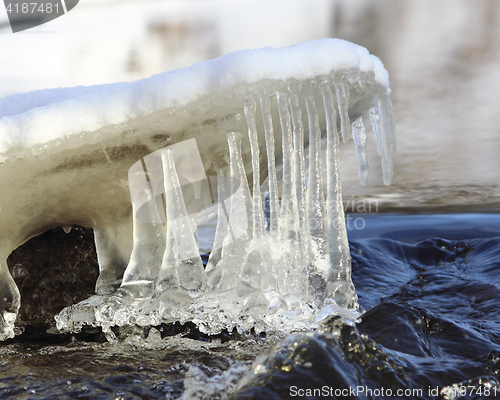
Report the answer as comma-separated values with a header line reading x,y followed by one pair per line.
x,y
236,140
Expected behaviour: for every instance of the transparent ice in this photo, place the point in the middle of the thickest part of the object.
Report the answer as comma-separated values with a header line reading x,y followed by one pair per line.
x,y
246,153
274,273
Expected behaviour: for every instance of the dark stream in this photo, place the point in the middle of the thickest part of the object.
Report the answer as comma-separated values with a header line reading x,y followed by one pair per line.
x,y
430,285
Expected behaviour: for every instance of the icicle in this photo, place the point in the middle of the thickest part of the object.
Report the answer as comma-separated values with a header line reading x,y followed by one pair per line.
x,y
287,182
271,163
343,101
388,126
383,128
299,163
190,272
315,200
359,136
339,284
230,235
177,216
221,229
149,237
239,182
388,135
238,207
387,169
111,258
300,181
377,128
258,218
168,277
290,274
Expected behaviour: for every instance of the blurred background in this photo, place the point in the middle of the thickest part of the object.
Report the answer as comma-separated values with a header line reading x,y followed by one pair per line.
x,y
443,57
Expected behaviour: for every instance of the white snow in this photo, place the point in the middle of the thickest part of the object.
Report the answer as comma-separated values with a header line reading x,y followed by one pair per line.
x,y
40,116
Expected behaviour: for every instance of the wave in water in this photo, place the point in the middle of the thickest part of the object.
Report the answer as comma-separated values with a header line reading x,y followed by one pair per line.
x,y
430,331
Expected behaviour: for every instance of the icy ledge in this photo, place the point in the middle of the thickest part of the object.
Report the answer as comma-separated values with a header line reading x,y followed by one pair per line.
x,y
179,147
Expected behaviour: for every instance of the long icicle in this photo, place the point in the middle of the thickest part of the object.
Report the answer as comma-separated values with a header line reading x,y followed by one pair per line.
x,y
388,136
299,163
149,237
339,285
359,136
239,185
238,207
382,134
271,163
190,270
258,218
315,200
287,181
289,272
300,180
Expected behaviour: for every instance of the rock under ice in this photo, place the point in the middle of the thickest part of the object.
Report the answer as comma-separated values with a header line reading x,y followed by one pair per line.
x,y
147,163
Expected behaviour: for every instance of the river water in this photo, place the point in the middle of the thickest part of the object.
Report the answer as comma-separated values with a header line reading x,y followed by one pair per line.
x,y
431,290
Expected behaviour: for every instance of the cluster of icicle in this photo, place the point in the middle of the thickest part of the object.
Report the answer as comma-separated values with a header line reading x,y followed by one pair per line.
x,y
290,265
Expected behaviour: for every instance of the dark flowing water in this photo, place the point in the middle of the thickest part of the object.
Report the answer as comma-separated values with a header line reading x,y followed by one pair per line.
x,y
430,285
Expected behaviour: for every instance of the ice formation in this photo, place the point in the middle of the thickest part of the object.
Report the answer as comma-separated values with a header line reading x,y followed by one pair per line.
x,y
145,163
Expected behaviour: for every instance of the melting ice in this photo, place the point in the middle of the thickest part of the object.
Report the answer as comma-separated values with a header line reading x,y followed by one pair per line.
x,y
226,141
